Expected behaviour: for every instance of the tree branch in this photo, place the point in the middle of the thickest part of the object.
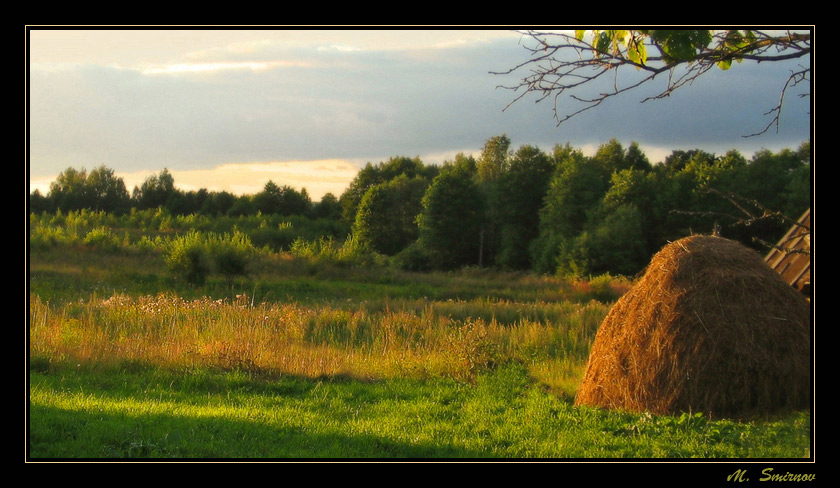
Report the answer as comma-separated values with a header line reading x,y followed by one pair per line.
x,y
560,63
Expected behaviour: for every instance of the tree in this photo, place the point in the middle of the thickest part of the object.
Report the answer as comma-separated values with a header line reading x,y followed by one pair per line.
x,y
521,190
451,222
491,168
38,203
563,63
268,200
754,202
231,254
69,190
576,187
612,243
218,203
637,188
283,200
155,190
494,158
383,172
327,208
98,190
187,258
387,216
107,191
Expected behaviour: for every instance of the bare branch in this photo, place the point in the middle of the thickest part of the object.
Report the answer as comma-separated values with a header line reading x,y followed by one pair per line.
x,y
794,79
561,63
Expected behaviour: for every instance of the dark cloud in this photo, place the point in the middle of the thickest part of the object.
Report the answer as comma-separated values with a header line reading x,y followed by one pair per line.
x,y
363,105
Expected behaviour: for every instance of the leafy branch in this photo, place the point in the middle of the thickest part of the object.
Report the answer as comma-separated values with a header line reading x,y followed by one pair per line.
x,y
561,63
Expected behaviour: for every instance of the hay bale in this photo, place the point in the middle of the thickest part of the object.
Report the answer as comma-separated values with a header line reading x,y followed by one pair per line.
x,y
708,328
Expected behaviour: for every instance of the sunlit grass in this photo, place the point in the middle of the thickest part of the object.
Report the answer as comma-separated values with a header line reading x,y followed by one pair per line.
x,y
154,413
437,340
311,360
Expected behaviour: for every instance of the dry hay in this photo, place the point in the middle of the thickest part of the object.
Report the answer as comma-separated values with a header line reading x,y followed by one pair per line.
x,y
708,328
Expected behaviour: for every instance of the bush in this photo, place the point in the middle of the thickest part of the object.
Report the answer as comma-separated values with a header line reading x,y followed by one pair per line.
x,y
47,236
231,254
351,252
148,244
187,259
412,258
102,238
194,256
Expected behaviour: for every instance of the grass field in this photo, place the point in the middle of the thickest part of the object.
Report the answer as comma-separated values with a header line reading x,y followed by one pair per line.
x,y
305,360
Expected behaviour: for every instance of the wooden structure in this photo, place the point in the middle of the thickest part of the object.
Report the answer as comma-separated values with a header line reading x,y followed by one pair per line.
x,y
791,257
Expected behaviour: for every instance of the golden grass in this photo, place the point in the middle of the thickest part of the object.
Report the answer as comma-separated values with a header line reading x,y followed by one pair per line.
x,y
436,339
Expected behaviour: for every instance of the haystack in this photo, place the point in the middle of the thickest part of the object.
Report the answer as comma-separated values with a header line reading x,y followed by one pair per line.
x,y
708,328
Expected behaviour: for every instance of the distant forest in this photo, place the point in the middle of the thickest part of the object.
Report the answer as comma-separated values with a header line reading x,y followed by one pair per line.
x,y
557,212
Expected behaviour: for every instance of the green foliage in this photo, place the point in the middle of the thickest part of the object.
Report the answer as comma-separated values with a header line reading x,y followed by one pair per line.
x,y
45,237
372,175
187,258
328,208
231,254
350,252
675,45
193,257
574,190
521,191
616,243
103,238
680,45
155,190
451,223
413,258
386,218
75,190
494,159
521,210
283,200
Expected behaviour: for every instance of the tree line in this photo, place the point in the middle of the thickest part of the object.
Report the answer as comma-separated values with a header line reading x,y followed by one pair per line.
x,y
101,190
520,209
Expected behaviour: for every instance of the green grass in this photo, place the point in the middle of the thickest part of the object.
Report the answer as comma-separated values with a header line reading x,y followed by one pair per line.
x,y
152,413
312,359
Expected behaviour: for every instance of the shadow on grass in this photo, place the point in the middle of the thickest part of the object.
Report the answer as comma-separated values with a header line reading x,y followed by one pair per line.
x,y
221,418
66,434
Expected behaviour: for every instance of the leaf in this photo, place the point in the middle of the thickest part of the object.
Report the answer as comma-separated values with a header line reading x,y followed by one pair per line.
x,y
681,45
636,50
603,42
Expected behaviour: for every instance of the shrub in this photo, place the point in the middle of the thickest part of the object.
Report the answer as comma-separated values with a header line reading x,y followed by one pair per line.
x,y
412,258
149,244
102,238
48,236
231,254
351,252
187,258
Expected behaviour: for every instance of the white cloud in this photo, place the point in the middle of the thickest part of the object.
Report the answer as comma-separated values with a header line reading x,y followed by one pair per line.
x,y
274,95
181,68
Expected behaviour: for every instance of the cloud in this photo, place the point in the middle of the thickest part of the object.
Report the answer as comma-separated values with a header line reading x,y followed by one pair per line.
x,y
195,101
187,68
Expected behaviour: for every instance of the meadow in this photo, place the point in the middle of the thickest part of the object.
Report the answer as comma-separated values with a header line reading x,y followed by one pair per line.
x,y
311,355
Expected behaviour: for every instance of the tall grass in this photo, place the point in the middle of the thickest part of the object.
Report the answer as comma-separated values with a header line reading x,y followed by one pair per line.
x,y
441,339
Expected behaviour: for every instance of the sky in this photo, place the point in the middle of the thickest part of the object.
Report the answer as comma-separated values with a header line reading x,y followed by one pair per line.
x,y
230,109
